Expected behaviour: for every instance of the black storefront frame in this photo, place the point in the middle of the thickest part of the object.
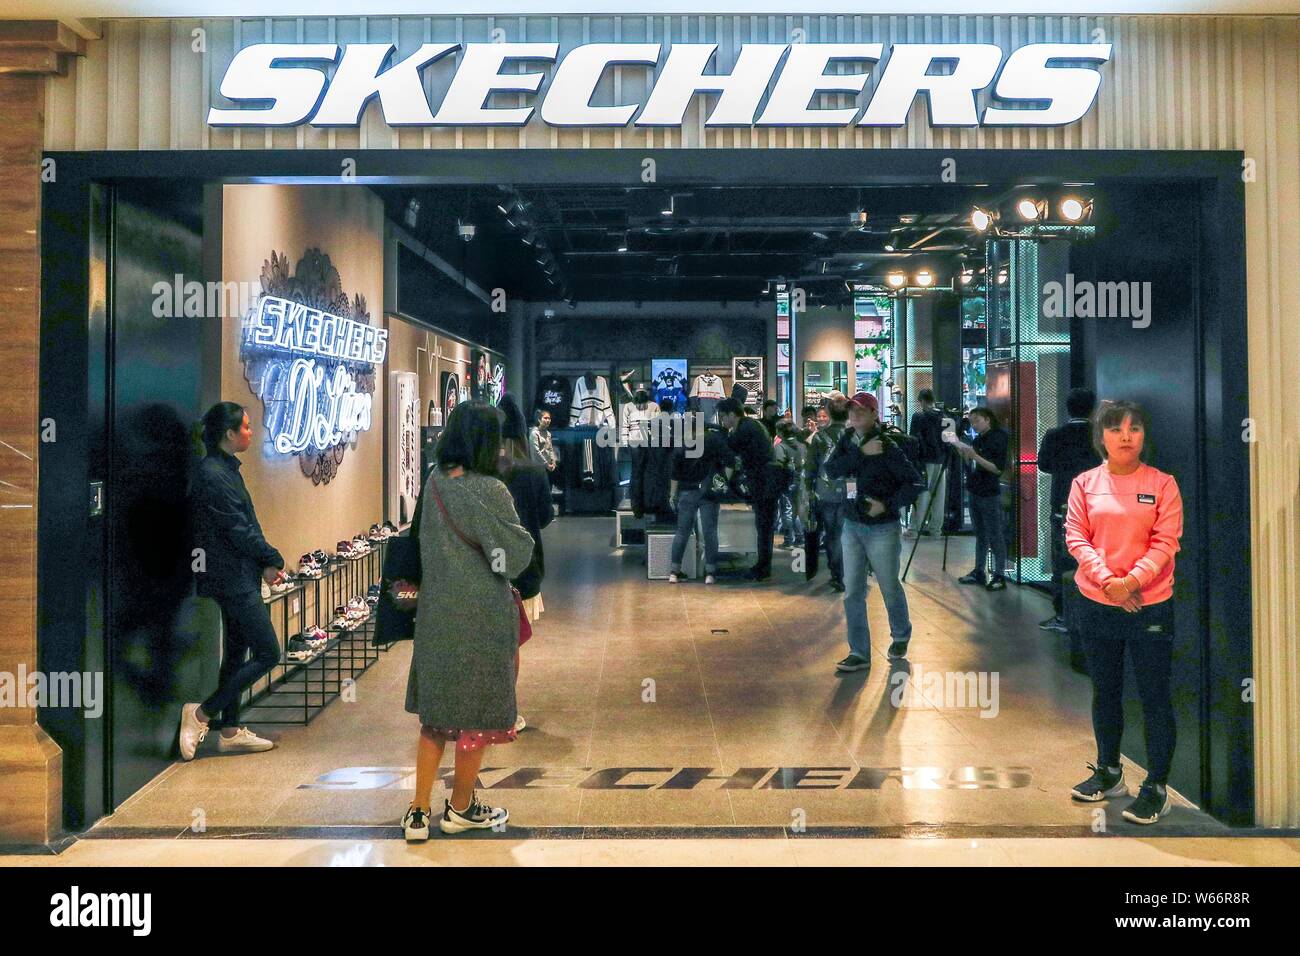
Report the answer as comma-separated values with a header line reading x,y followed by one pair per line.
x,y
73,350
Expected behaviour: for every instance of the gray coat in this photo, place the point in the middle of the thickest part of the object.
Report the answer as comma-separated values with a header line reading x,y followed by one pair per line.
x,y
467,625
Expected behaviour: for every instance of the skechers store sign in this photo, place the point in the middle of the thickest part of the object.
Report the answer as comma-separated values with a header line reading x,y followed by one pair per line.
x,y
307,360
325,84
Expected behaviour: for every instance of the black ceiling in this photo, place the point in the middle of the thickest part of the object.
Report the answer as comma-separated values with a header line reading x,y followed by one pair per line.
x,y
717,243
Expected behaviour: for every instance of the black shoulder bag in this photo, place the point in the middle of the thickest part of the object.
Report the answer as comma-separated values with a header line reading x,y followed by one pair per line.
x,y
400,585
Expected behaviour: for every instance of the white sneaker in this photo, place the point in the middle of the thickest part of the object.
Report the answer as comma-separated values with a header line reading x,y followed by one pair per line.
x,y
710,579
416,824
476,816
672,577
192,731
520,724
244,742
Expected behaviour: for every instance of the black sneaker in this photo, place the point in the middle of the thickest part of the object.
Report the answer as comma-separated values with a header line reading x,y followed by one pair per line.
x,y
1151,804
1101,785
837,585
1054,623
852,663
416,824
476,816
996,583
975,577
898,651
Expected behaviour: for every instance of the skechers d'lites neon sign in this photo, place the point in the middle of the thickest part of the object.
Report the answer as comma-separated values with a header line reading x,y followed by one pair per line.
x,y
310,354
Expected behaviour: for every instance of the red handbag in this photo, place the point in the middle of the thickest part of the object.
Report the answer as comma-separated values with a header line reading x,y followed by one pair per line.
x,y
525,625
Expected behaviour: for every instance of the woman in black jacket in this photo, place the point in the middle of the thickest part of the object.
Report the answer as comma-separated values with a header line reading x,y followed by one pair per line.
x,y
988,457
236,558
531,490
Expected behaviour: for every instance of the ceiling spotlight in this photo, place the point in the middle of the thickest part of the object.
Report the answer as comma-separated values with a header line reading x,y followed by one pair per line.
x,y
465,230
858,219
1032,210
1002,278
889,247
622,246
896,279
530,237
924,278
1074,209
967,276
981,219
821,236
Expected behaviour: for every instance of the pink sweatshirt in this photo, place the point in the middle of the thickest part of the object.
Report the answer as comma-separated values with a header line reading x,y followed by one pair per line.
x,y
1124,524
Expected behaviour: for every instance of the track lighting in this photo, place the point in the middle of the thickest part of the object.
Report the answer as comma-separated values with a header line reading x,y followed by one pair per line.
x,y
924,278
1032,210
1074,209
981,219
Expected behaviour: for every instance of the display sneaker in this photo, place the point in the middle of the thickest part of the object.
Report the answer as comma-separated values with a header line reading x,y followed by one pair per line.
x,y
358,608
376,534
476,816
340,621
361,544
315,636
1054,623
308,568
375,590
1103,784
288,584
898,650
852,663
345,549
710,579
415,823
299,650
266,590
321,558
390,529
192,731
244,741
1152,803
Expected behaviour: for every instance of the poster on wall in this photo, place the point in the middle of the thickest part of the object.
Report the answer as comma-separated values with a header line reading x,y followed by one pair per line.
x,y
310,354
404,442
747,373
450,392
668,377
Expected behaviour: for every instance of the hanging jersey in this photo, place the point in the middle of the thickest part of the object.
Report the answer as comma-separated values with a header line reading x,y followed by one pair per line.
x,y
708,386
591,404
555,396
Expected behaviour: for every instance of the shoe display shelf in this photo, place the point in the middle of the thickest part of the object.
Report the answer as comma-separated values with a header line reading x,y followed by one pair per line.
x,y
294,692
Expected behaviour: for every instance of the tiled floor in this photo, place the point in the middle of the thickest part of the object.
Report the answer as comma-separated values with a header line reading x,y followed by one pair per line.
x,y
737,680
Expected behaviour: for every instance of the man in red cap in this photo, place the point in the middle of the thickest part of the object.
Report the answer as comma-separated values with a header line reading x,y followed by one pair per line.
x,y
880,482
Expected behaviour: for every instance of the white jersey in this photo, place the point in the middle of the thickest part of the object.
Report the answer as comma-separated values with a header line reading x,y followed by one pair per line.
x,y
708,386
591,405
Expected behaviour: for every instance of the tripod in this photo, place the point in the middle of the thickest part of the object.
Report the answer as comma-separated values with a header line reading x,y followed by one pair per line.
x,y
925,521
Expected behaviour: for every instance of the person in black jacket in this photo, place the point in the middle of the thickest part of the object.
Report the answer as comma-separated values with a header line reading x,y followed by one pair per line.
x,y
1066,452
880,481
927,428
531,490
988,455
691,495
236,558
752,444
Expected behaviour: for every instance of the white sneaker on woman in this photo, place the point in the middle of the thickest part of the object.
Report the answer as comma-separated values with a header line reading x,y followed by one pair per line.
x,y
243,742
192,731
476,816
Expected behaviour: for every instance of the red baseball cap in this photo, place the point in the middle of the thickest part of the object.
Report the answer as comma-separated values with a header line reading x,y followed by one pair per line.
x,y
865,400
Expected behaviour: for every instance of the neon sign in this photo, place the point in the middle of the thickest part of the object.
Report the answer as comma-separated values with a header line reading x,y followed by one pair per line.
x,y
310,354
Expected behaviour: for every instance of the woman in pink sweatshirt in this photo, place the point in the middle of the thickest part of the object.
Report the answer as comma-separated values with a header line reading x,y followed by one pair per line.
x,y
1122,525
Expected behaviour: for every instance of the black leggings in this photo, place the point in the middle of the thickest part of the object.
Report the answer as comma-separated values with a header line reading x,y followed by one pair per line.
x,y
1107,631
248,629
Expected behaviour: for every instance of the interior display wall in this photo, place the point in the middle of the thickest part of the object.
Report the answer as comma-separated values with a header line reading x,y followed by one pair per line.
x,y
347,224
821,335
580,338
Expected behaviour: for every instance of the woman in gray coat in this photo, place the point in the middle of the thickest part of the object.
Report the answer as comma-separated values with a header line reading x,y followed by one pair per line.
x,y
462,680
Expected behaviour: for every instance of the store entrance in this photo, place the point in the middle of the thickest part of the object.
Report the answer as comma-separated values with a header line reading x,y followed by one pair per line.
x,y
569,276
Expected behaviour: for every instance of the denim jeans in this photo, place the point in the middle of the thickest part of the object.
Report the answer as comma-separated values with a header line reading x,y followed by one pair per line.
x,y
248,630
830,515
877,546
690,501
990,533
